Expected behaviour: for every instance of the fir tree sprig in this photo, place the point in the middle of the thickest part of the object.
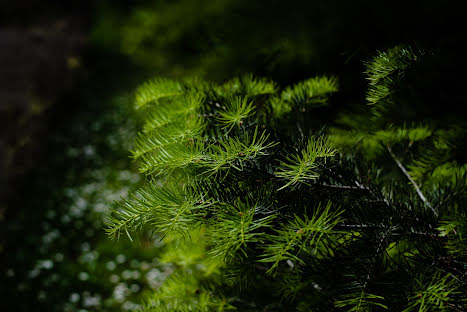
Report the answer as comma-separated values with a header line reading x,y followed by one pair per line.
x,y
385,72
301,168
234,227
301,234
168,209
360,302
237,110
438,295
313,91
233,152
156,89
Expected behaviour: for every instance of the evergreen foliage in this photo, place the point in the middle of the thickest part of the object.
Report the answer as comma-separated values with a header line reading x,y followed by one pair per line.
x,y
367,218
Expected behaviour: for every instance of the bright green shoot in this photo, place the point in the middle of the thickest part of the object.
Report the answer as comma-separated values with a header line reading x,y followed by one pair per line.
x,y
172,209
437,296
302,168
237,110
312,91
360,302
301,234
236,226
158,88
233,152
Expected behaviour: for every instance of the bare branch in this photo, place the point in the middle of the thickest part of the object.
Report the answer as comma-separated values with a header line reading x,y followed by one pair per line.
x,y
417,188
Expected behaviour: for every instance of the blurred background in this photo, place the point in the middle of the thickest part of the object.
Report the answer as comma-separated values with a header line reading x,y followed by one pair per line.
x,y
67,74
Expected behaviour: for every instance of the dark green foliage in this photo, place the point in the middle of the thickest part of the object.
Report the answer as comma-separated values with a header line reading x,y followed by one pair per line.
x,y
437,295
368,218
385,71
220,39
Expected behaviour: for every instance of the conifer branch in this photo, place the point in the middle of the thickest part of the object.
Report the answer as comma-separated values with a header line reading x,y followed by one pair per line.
x,y
236,226
156,89
302,168
214,162
237,110
301,234
313,91
433,297
360,302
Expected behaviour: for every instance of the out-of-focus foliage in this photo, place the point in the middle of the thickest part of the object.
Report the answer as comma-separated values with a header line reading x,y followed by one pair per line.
x,y
69,265
286,41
